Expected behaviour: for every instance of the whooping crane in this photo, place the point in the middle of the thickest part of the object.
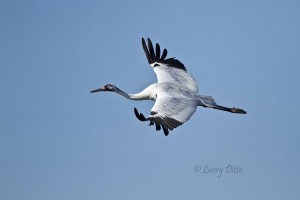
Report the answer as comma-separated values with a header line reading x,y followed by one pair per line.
x,y
175,93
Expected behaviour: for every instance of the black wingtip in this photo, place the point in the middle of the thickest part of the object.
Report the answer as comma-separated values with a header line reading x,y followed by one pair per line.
x,y
157,51
164,54
143,41
154,56
151,50
146,50
140,116
149,41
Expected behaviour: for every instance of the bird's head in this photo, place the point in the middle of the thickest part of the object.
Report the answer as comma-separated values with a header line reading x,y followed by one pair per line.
x,y
106,88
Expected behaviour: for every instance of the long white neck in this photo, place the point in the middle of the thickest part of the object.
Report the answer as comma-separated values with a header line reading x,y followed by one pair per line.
x,y
144,95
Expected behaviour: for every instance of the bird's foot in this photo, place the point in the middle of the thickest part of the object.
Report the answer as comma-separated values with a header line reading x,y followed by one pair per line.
x,y
238,110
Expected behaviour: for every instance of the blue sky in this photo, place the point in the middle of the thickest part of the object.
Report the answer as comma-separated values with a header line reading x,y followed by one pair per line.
x,y
58,141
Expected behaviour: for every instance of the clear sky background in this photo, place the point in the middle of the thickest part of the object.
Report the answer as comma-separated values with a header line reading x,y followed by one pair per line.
x,y
58,141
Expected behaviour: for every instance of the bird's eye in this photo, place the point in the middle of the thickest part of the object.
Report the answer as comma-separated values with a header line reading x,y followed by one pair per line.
x,y
109,87
156,65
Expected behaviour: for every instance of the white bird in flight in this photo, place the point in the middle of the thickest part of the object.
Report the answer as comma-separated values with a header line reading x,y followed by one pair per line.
x,y
175,93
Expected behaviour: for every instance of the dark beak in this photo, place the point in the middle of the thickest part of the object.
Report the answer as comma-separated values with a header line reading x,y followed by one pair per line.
x,y
98,90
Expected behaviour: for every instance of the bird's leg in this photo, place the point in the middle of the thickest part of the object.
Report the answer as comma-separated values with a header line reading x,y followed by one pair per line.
x,y
232,110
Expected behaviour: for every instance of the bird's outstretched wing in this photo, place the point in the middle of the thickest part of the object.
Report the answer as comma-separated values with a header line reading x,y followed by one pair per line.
x,y
169,112
168,69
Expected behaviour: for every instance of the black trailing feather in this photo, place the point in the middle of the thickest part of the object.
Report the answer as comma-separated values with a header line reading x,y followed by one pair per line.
x,y
153,57
157,126
166,123
166,131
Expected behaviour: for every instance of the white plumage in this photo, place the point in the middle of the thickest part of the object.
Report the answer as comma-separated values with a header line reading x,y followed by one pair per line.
x,y
175,93
166,74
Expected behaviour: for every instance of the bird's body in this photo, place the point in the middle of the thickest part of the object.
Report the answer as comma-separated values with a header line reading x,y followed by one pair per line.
x,y
172,99
175,93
